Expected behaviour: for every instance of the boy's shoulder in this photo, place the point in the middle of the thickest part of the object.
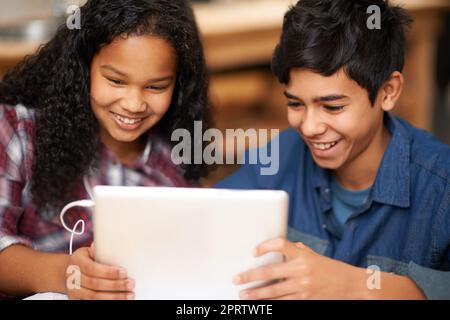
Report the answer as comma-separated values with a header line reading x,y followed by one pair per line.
x,y
287,151
427,152
291,141
293,152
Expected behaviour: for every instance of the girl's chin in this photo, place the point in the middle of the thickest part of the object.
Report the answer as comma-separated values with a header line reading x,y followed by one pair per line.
x,y
126,138
123,137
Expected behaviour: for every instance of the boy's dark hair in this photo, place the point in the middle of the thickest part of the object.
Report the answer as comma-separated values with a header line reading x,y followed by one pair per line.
x,y
327,35
56,82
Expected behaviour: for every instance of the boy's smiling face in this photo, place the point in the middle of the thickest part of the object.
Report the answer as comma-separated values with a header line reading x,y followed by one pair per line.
x,y
334,116
132,82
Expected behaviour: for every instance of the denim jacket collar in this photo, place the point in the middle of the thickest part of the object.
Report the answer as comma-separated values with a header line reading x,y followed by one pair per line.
x,y
392,185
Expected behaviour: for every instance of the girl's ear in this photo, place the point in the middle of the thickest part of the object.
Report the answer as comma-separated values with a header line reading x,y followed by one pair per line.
x,y
391,91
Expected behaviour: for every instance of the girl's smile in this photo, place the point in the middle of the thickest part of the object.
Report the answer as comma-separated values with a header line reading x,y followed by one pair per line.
x,y
127,123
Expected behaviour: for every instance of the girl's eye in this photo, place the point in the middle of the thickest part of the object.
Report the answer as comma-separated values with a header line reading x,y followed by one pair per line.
x,y
117,82
156,88
334,108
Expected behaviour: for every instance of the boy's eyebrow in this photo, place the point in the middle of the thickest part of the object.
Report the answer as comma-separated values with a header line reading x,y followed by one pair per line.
x,y
290,96
123,74
327,98
330,97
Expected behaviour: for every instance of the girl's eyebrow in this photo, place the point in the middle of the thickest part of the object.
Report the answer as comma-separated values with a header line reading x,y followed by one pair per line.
x,y
123,74
111,68
160,79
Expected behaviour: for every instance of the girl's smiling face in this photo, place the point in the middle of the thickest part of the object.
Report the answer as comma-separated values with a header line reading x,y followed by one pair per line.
x,y
132,82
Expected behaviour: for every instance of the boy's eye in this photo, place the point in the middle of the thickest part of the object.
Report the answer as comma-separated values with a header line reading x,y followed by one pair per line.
x,y
334,108
292,104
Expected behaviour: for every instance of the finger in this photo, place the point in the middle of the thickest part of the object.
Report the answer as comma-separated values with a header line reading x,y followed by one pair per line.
x,y
91,251
280,245
272,291
287,297
269,272
87,294
97,284
93,269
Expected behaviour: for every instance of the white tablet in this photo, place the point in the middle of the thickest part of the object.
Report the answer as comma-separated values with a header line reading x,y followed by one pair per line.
x,y
179,243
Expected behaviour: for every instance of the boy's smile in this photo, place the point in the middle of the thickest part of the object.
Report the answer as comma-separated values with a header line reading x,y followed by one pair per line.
x,y
324,149
335,118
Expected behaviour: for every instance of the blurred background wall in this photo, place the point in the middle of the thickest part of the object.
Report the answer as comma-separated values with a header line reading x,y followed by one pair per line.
x,y
239,37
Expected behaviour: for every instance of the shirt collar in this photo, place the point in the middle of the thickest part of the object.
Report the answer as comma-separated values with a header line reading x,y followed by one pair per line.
x,y
392,184
143,159
140,161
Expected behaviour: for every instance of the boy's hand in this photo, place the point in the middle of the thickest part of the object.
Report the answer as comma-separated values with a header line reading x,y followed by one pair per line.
x,y
96,281
304,274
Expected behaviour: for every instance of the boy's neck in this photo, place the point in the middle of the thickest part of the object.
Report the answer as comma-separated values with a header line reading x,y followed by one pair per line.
x,y
361,172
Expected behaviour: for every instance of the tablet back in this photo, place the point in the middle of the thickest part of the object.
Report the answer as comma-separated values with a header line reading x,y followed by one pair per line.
x,y
179,243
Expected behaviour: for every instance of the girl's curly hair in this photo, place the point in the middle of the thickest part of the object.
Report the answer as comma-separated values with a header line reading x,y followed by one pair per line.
x,y
56,83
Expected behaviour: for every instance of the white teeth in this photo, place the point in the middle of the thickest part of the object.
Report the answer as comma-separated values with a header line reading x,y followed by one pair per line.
x,y
126,120
324,146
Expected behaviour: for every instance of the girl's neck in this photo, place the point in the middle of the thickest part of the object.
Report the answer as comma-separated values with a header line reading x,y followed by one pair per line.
x,y
126,152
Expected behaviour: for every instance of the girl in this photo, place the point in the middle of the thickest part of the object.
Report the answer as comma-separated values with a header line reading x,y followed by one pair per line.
x,y
95,105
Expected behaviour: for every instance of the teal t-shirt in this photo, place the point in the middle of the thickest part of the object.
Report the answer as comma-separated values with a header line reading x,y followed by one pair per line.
x,y
345,202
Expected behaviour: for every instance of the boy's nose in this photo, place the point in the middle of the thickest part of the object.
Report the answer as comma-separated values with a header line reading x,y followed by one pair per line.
x,y
311,125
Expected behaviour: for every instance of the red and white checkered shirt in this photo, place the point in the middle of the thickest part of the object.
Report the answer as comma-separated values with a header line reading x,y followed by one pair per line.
x,y
20,223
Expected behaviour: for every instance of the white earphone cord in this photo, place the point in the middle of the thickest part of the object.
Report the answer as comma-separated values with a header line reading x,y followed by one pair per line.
x,y
79,203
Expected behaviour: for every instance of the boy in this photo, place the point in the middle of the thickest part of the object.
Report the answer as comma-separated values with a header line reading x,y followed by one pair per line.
x,y
368,192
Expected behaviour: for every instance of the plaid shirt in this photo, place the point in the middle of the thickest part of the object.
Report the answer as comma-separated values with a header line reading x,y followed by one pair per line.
x,y
20,223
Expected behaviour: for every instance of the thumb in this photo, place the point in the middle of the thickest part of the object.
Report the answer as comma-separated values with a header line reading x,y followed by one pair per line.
x,y
304,247
91,251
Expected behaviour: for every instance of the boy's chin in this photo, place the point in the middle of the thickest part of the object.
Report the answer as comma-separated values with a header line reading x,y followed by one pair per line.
x,y
328,164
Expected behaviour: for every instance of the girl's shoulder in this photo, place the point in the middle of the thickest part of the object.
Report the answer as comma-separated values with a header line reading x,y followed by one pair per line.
x,y
16,118
17,132
160,160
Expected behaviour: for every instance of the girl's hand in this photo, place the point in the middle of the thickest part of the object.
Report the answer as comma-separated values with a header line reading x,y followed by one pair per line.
x,y
89,280
304,274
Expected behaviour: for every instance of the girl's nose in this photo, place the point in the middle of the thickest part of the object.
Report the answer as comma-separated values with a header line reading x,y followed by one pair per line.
x,y
134,103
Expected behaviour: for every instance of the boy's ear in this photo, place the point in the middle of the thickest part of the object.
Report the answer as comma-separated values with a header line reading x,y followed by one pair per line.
x,y
391,91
